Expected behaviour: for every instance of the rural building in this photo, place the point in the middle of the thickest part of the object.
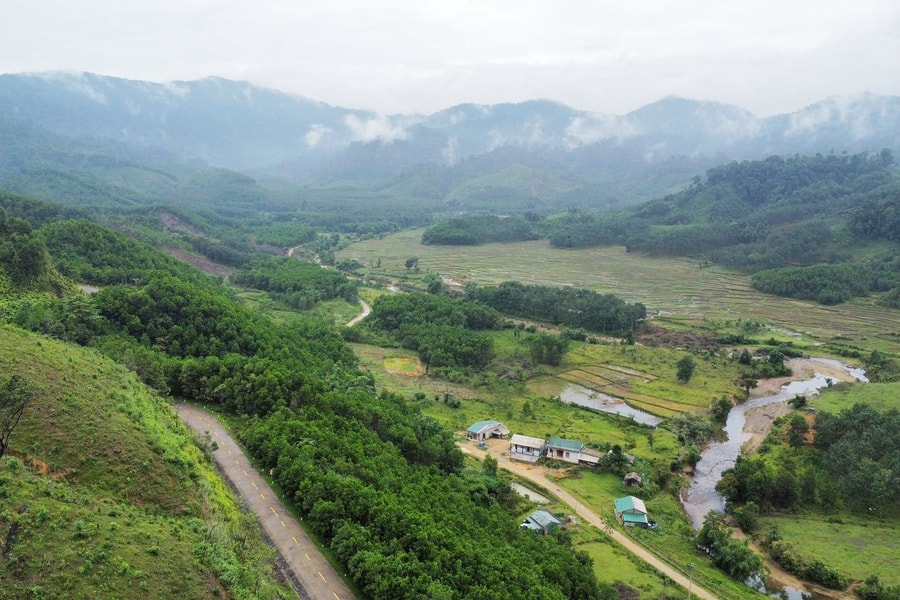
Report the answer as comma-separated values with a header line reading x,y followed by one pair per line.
x,y
565,450
590,457
526,448
632,511
543,521
483,430
633,480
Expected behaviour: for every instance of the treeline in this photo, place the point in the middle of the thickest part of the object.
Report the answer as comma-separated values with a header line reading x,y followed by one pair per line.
x,y
382,485
445,331
831,284
23,255
854,461
473,230
755,215
299,284
572,307
87,252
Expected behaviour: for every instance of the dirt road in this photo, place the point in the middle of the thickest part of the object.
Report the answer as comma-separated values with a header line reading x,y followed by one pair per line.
x,y
366,309
315,574
529,472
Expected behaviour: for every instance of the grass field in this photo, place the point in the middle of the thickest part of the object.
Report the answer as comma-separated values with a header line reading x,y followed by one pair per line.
x,y
674,289
882,396
857,547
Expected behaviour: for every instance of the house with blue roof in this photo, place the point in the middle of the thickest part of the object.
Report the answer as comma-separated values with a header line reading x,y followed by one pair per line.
x,y
483,430
542,521
632,511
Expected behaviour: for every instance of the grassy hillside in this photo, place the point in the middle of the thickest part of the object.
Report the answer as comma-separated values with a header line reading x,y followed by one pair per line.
x,y
105,495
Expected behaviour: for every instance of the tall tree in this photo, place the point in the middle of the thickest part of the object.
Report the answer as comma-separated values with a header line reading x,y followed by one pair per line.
x,y
14,396
686,368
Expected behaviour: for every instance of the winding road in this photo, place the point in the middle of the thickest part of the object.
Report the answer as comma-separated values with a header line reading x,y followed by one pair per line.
x,y
366,310
307,567
528,472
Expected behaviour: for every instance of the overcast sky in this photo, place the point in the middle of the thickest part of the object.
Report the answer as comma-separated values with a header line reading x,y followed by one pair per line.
x,y
608,56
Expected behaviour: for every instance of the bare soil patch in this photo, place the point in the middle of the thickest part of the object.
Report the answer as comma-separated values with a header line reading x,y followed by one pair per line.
x,y
200,262
759,420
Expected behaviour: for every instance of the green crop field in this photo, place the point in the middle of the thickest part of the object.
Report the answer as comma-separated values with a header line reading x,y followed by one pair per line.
x,y
672,289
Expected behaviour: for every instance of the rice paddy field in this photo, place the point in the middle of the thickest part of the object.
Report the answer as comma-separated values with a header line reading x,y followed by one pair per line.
x,y
677,290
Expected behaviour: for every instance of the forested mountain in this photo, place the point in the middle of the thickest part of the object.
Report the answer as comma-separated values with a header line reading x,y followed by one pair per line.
x,y
121,139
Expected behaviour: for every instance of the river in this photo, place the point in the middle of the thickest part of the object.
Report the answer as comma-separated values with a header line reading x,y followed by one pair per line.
x,y
702,497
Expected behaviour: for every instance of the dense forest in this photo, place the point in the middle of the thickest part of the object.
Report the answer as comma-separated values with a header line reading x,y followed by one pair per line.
x,y
576,308
481,229
296,283
446,332
382,485
778,213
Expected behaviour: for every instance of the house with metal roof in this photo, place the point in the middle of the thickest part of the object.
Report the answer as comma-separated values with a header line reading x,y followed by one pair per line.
x,y
632,511
543,521
565,450
483,430
526,448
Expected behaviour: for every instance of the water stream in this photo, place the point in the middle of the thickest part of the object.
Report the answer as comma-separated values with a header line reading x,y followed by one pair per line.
x,y
702,496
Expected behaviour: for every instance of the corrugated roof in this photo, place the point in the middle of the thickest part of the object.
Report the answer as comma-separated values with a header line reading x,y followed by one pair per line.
x,y
564,444
481,426
630,503
543,518
634,518
527,441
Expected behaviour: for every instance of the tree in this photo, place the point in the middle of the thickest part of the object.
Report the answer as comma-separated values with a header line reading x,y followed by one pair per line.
x,y
748,383
686,368
798,431
14,396
412,263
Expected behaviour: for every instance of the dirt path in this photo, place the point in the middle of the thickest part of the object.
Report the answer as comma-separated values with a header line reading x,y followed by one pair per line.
x,y
537,475
366,309
308,566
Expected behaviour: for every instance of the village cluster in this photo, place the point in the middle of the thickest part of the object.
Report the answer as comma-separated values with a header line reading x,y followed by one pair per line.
x,y
630,510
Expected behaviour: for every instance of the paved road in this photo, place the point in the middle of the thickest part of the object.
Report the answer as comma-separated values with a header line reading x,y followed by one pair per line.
x,y
527,471
319,579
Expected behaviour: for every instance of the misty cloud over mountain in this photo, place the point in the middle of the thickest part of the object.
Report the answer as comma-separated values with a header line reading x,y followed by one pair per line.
x,y
239,126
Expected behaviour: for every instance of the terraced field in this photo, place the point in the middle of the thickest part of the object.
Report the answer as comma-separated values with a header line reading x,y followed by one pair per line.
x,y
675,289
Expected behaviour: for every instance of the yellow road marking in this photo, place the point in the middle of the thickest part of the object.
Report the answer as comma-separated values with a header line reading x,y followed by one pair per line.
x,y
272,509
322,576
283,525
336,596
253,483
245,472
307,556
295,540
261,495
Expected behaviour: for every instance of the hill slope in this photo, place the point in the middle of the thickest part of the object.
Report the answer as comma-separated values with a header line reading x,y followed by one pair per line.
x,y
105,494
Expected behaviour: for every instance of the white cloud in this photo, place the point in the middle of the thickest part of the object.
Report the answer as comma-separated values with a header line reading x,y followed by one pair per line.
x,y
378,127
315,135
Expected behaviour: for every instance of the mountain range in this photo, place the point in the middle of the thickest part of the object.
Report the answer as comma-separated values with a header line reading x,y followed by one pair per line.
x,y
543,147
